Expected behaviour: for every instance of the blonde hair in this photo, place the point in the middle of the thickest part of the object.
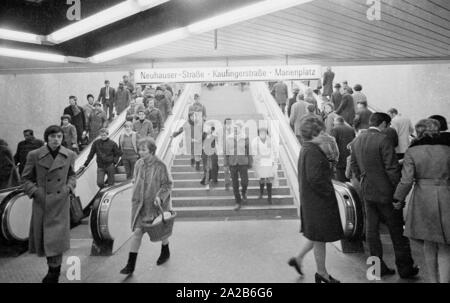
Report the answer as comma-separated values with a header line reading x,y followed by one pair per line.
x,y
427,128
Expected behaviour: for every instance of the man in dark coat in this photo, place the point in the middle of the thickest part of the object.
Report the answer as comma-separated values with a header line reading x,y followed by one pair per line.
x,y
347,107
336,96
108,154
123,97
77,118
24,147
362,116
107,97
375,165
48,178
343,134
328,78
239,160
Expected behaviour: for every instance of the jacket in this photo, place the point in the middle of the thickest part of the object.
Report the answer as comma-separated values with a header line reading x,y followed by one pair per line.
x,y
107,151
102,95
347,108
133,141
237,151
375,164
143,129
298,111
343,134
48,182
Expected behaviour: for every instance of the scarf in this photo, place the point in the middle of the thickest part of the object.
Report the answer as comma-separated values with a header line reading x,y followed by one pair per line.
x,y
436,140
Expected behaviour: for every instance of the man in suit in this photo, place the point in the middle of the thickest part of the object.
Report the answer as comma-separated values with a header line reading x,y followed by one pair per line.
x,y
336,96
362,117
107,97
343,134
404,128
375,165
281,94
238,159
328,78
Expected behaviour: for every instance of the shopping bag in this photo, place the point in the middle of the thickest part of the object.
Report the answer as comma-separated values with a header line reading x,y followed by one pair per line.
x,y
76,210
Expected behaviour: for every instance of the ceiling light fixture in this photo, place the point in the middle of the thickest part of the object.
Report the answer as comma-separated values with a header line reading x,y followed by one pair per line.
x,y
103,18
32,55
20,36
242,14
141,45
238,15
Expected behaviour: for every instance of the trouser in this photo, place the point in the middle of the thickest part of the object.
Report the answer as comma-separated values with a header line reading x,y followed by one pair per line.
x,y
129,163
393,218
102,171
340,175
236,172
55,261
108,107
210,167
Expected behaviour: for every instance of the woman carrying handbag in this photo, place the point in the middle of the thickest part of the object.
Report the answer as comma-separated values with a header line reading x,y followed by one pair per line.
x,y
151,192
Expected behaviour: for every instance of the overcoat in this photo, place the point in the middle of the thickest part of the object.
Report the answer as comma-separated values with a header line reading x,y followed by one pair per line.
x,y
97,121
319,212
151,179
49,181
427,167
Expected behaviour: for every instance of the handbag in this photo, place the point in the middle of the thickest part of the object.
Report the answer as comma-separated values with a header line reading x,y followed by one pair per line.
x,y
160,227
76,210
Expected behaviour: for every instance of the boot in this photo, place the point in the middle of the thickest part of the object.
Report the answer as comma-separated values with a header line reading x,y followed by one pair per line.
x,y
244,196
197,165
129,268
165,254
202,182
52,275
261,190
269,193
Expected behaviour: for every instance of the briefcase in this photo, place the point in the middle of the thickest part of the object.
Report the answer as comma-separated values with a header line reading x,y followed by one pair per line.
x,y
76,210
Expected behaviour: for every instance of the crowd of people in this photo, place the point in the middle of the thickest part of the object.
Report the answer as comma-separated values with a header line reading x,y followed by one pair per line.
x,y
384,156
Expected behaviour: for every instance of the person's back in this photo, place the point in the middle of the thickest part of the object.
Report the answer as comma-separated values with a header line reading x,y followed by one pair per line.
x,y
379,170
299,109
403,127
343,134
362,117
281,92
347,108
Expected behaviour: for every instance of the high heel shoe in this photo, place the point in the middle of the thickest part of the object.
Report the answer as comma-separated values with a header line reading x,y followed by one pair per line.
x,y
320,279
292,262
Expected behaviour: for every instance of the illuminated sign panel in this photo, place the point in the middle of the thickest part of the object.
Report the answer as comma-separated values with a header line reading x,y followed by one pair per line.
x,y
226,74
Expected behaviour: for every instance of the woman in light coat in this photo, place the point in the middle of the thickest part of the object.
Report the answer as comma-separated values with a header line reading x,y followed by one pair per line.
x,y
265,161
151,190
426,165
48,178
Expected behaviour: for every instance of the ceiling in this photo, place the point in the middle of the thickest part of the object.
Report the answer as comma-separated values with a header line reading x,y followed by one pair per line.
x,y
319,30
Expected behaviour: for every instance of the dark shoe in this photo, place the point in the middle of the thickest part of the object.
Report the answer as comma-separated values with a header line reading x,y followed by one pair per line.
x,y
129,268
202,182
320,279
165,255
197,165
386,271
293,262
52,275
409,273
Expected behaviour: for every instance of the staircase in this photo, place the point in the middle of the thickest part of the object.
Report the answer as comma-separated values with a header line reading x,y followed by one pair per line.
x,y
192,201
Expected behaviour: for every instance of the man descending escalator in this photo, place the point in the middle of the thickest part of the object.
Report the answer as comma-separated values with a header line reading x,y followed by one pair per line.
x,y
108,154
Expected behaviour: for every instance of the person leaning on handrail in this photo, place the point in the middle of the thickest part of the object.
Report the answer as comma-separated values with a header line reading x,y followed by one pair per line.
x,y
426,165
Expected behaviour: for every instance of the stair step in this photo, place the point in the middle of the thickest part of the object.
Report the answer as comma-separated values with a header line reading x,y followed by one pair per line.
x,y
118,178
220,191
187,162
189,175
188,168
230,201
255,212
220,183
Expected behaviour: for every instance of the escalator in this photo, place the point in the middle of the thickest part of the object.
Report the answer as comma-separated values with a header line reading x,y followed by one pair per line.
x,y
15,206
349,203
